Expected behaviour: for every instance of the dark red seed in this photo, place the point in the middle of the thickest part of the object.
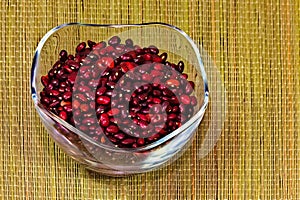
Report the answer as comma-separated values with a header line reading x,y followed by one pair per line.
x,y
63,55
193,100
99,45
156,100
129,42
172,82
84,107
91,43
108,62
164,57
113,112
146,77
189,87
63,115
153,137
101,109
153,49
112,129
172,116
192,84
70,57
54,93
128,141
88,121
115,40
45,80
156,93
67,95
140,141
103,100
45,100
185,99
71,78
167,92
68,108
100,91
156,59
180,66
126,57
54,104
75,104
147,57
175,109
185,76
81,97
81,47
119,136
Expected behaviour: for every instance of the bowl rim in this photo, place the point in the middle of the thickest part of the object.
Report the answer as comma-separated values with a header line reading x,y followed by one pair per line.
x,y
40,108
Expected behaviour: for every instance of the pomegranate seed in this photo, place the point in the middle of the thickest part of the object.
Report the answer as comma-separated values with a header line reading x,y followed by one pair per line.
x,y
193,101
119,136
45,80
147,57
164,57
63,115
185,99
115,40
103,100
104,120
129,42
128,141
112,129
173,82
81,47
108,62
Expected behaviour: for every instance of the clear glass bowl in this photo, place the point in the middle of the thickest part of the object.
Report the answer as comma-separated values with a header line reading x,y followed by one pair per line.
x,y
108,159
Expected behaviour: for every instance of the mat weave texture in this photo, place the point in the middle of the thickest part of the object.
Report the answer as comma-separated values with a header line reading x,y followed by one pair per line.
x,y
255,45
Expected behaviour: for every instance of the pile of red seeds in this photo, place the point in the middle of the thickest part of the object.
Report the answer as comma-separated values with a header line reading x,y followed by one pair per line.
x,y
95,70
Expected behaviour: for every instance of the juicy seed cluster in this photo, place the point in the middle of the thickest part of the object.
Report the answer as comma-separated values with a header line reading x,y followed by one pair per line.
x,y
78,86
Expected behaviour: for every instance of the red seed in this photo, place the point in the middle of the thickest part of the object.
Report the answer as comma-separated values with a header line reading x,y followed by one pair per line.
x,y
173,82
84,107
185,76
71,78
193,100
144,117
147,57
113,112
108,62
54,93
180,66
112,129
45,80
140,141
81,47
115,40
100,91
119,136
164,57
185,99
129,42
104,120
63,115
103,100
156,100
156,59
146,77
128,141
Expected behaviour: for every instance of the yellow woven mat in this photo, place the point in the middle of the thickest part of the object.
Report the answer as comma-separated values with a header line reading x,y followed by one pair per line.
x,y
255,44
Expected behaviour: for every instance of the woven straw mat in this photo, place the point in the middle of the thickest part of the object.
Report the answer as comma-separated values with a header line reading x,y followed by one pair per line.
x,y
255,46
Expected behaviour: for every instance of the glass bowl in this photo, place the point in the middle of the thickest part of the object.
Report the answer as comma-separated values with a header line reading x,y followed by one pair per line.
x,y
109,159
